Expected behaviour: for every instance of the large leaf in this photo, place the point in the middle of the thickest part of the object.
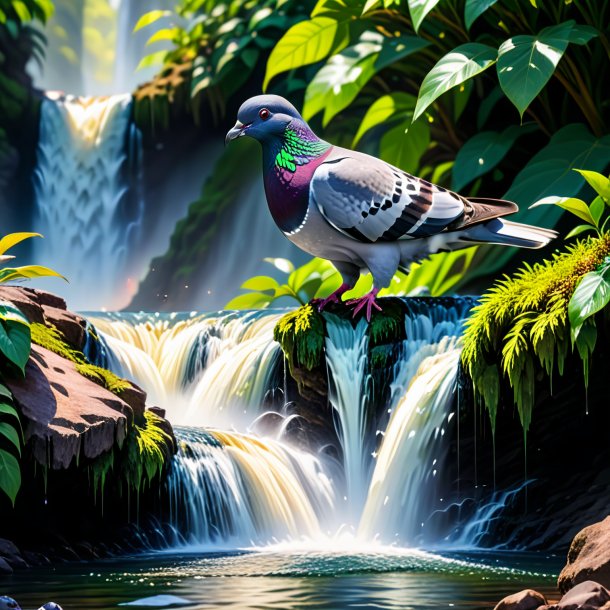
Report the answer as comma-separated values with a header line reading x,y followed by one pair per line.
x,y
305,43
591,295
27,272
419,9
8,432
12,239
550,173
453,69
474,9
250,300
150,17
526,63
14,335
571,204
599,182
483,152
338,83
386,107
10,475
261,283
404,145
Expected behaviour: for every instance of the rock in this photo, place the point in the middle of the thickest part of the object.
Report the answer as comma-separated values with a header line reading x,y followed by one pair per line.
x,y
159,601
26,300
527,599
8,603
50,606
11,555
588,595
135,397
158,411
588,557
67,414
71,326
5,569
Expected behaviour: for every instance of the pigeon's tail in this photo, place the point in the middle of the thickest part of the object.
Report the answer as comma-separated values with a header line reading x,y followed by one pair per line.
x,y
508,233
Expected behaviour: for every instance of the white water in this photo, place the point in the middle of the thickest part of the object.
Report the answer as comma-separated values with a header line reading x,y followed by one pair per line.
x,y
83,200
236,488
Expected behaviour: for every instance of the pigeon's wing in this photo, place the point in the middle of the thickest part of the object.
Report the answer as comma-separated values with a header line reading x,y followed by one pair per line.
x,y
371,201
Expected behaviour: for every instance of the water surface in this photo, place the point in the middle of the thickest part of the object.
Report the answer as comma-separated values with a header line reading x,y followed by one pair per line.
x,y
284,580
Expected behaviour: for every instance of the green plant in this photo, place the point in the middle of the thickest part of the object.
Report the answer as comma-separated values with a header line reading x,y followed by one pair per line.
x,y
448,89
28,272
318,278
521,325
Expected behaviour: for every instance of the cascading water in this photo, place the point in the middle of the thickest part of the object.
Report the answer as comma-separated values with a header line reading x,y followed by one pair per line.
x,y
236,488
84,206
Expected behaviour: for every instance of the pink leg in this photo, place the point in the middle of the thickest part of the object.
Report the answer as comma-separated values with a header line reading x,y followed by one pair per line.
x,y
335,297
368,301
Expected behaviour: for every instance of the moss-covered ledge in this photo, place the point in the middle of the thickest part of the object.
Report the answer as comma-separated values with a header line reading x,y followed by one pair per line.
x,y
519,336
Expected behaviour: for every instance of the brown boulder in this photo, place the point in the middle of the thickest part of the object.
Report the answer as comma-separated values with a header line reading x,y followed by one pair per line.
x,y
587,595
67,414
524,600
71,326
588,557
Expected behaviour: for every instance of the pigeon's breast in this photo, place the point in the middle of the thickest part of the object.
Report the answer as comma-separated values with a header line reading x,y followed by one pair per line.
x,y
287,193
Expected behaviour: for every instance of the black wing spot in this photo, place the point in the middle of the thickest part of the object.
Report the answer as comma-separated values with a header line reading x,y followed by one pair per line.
x,y
373,211
376,204
396,197
387,205
411,186
399,183
364,214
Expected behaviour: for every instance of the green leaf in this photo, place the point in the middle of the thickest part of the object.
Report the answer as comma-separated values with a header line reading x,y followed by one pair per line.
x,y
14,335
262,283
483,152
8,432
526,63
154,59
12,239
591,295
599,182
597,208
571,204
150,17
578,230
403,146
549,172
474,9
453,69
10,475
338,83
419,9
22,11
164,34
27,272
306,43
283,264
582,34
251,300
388,106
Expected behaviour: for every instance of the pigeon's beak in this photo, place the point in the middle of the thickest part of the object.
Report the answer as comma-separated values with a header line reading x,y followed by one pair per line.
x,y
236,132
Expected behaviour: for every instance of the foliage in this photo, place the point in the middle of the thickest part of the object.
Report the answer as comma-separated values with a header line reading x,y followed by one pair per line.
x,y
318,278
222,42
8,274
52,339
480,91
11,437
139,462
301,335
521,324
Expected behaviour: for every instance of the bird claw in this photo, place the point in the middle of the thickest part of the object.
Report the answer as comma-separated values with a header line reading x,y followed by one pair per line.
x,y
368,301
335,297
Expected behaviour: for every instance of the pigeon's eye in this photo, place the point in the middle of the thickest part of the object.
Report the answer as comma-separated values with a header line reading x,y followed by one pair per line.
x,y
264,114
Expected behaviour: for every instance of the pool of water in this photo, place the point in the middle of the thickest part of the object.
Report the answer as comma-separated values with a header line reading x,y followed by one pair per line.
x,y
291,580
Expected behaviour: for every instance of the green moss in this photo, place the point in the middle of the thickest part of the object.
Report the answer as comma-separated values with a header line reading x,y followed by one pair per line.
x,y
388,325
301,335
522,324
51,338
138,463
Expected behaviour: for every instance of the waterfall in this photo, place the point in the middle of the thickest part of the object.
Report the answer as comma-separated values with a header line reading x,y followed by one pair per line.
x,y
231,487
402,490
228,488
346,355
206,370
84,206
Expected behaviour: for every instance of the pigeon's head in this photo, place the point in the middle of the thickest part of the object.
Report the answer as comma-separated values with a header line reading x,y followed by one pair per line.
x,y
264,117
8,603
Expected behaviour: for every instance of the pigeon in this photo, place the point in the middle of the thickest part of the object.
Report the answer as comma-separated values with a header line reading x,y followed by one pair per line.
x,y
362,213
